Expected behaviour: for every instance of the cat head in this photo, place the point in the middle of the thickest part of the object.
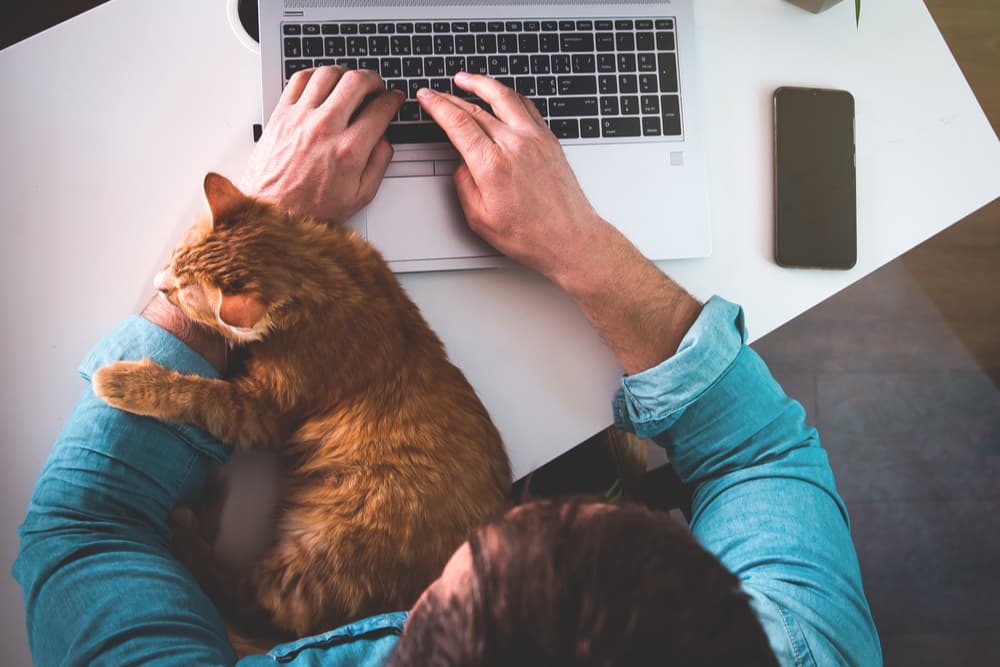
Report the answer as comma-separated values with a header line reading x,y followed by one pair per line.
x,y
230,272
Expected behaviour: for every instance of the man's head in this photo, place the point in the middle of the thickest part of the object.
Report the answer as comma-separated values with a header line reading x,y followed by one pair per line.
x,y
578,583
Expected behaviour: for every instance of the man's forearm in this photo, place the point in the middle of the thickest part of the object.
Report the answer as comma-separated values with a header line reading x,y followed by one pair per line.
x,y
203,341
640,313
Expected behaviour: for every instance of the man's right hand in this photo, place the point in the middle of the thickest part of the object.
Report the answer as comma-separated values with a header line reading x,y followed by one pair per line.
x,y
515,185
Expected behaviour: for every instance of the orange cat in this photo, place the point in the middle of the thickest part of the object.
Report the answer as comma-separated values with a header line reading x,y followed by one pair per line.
x,y
391,459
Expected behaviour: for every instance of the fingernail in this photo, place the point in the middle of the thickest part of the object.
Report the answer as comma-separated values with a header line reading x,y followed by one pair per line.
x,y
461,75
425,93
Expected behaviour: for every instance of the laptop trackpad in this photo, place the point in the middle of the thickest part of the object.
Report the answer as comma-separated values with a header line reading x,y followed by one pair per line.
x,y
420,218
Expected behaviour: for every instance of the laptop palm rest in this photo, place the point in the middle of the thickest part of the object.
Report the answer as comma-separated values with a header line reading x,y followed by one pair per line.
x,y
420,218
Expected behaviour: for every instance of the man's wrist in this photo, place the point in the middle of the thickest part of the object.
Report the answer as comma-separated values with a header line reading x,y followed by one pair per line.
x,y
209,344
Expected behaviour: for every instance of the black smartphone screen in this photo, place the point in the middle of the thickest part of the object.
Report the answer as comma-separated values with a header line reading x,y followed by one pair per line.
x,y
815,186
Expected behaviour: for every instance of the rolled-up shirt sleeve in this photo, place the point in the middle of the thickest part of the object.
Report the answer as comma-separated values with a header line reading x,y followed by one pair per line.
x,y
100,584
764,498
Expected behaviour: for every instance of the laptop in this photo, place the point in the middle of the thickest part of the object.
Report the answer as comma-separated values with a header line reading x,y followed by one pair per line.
x,y
615,81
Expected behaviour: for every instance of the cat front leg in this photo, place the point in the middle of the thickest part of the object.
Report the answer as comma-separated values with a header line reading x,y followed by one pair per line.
x,y
224,409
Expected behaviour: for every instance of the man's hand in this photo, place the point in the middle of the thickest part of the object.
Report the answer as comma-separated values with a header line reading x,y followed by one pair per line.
x,y
323,152
519,193
515,185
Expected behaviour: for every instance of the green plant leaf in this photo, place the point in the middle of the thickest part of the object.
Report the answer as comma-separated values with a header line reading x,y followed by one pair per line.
x,y
857,12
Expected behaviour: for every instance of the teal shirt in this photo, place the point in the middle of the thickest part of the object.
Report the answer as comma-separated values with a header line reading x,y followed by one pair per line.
x,y
102,588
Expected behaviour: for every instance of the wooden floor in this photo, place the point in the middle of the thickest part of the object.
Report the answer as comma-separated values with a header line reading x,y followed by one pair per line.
x,y
901,373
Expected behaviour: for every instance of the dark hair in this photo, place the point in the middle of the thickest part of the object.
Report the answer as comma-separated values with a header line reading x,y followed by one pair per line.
x,y
574,583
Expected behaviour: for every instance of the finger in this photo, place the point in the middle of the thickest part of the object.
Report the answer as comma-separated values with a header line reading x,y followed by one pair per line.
x,y
486,120
466,135
295,87
374,119
320,85
374,171
350,93
534,112
469,195
505,102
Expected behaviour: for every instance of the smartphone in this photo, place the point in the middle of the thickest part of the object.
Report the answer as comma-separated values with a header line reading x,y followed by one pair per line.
x,y
815,189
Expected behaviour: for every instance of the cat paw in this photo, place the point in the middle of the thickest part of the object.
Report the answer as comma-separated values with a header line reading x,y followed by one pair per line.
x,y
132,386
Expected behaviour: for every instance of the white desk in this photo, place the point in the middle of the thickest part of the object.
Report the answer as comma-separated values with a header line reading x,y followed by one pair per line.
x,y
105,141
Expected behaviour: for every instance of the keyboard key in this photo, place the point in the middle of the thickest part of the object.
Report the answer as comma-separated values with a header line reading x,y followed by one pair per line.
x,y
405,28
331,29
584,25
605,41
478,65
583,41
324,62
477,26
625,41
293,47
650,104
349,29
310,29
665,24
507,44
400,45
499,65
368,63
668,73
567,25
546,86
650,126
291,29
433,66
630,105
415,85
368,28
573,106
391,68
577,85
293,66
520,65
460,26
442,27
495,26
506,81
609,106
665,41
335,46
532,26
549,26
565,128
626,62
409,111
606,62
349,63
312,47
386,28
379,46
607,84
453,65
549,43
413,67
465,44
604,25
423,28
542,106
628,83
527,43
397,84
540,65
591,128
423,45
644,41
513,26
486,43
644,24
621,127
444,44
623,24
647,83
647,62
526,86
441,85
357,46
561,64
670,112
583,63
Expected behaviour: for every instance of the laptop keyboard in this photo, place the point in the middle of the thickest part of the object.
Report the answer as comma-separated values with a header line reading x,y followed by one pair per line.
x,y
591,79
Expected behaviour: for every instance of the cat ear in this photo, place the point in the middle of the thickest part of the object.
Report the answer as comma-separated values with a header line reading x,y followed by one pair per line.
x,y
242,311
223,197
